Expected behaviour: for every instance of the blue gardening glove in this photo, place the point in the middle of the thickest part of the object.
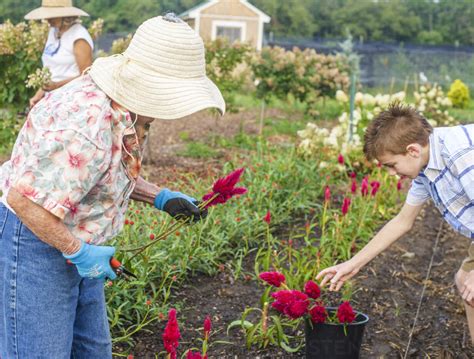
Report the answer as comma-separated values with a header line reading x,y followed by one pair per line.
x,y
93,262
179,205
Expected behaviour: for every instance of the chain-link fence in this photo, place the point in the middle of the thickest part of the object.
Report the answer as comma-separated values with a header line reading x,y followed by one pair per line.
x,y
397,66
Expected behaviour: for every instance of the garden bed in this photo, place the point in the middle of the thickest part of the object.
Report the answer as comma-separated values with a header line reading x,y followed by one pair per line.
x,y
388,289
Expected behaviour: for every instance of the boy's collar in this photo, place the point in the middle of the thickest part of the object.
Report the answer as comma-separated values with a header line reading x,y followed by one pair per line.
x,y
435,162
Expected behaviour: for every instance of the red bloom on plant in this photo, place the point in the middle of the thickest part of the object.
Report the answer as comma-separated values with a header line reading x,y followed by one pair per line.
x,y
375,187
345,205
273,278
327,194
352,175
318,314
399,185
364,186
312,289
192,355
340,159
224,189
171,335
345,313
207,326
268,217
354,187
292,303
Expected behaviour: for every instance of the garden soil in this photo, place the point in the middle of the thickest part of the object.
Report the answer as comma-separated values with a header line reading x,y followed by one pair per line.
x,y
388,289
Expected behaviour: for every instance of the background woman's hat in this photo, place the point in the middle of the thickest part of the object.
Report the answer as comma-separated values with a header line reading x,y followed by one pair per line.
x,y
162,73
55,8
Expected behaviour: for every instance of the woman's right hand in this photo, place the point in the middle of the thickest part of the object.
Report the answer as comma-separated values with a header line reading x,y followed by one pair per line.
x,y
338,274
36,98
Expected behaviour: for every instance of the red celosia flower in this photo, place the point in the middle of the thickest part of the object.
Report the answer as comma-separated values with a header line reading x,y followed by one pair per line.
x,y
364,186
354,187
345,313
340,159
192,355
273,278
399,185
327,194
207,326
318,314
171,335
224,188
345,205
352,175
312,289
375,187
292,303
152,236
268,217
130,356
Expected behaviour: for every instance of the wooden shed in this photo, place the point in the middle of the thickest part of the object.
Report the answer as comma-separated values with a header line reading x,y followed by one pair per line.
x,y
238,20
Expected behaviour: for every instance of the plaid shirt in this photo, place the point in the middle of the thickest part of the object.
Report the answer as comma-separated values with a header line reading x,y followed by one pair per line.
x,y
449,177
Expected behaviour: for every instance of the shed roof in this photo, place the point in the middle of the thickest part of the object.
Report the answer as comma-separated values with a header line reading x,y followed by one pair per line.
x,y
193,12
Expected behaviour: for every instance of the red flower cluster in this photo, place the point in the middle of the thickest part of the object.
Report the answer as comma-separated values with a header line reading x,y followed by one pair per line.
x,y
312,289
318,314
224,189
207,327
327,194
192,355
345,313
375,187
364,186
292,303
295,304
273,278
340,159
171,335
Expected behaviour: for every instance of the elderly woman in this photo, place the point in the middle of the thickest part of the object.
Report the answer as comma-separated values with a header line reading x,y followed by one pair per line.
x,y
68,49
73,169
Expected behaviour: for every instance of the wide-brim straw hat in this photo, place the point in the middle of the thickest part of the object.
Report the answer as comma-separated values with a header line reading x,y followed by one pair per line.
x,y
162,73
55,8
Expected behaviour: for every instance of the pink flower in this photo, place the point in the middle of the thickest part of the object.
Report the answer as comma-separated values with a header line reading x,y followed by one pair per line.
x,y
192,355
345,313
312,289
273,278
354,187
345,205
292,303
352,175
224,189
375,187
327,194
340,159
207,326
399,185
171,335
318,314
364,186
268,217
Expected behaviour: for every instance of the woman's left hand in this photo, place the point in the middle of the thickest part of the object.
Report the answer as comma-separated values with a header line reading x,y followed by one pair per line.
x,y
50,86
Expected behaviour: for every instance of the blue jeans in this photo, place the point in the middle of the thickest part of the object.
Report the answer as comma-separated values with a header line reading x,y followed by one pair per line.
x,y
46,309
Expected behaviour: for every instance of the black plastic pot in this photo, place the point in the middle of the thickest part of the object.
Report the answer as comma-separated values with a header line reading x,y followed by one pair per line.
x,y
328,340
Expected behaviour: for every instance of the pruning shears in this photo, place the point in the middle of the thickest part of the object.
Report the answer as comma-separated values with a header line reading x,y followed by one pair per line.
x,y
118,268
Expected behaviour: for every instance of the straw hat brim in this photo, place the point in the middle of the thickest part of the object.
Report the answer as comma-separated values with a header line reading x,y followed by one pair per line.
x,y
53,12
146,92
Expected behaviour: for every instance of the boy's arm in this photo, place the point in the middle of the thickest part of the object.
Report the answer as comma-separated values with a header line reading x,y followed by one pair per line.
x,y
389,233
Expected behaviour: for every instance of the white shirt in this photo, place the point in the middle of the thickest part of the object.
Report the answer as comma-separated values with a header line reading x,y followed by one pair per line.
x,y
58,54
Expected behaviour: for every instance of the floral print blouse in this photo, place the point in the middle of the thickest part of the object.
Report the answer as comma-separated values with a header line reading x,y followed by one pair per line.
x,y
78,157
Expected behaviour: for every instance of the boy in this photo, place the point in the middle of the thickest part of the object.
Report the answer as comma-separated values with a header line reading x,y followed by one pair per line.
x,y
440,162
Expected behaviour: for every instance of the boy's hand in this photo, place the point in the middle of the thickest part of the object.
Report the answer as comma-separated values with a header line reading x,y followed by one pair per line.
x,y
338,274
467,292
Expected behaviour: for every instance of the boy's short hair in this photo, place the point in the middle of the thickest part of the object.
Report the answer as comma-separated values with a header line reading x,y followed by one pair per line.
x,y
394,129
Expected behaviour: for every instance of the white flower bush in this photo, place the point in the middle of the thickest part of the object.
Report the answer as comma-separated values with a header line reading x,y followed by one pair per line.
x,y
430,102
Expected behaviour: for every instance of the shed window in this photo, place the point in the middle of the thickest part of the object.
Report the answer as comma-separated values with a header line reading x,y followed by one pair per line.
x,y
230,32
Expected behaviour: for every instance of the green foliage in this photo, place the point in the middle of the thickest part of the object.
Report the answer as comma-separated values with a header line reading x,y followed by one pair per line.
x,y
459,94
10,125
198,150
222,67
21,46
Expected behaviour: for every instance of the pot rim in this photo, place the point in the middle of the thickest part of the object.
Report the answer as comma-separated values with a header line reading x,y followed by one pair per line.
x,y
363,321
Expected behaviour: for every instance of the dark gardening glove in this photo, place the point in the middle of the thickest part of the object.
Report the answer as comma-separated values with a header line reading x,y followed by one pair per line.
x,y
179,205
